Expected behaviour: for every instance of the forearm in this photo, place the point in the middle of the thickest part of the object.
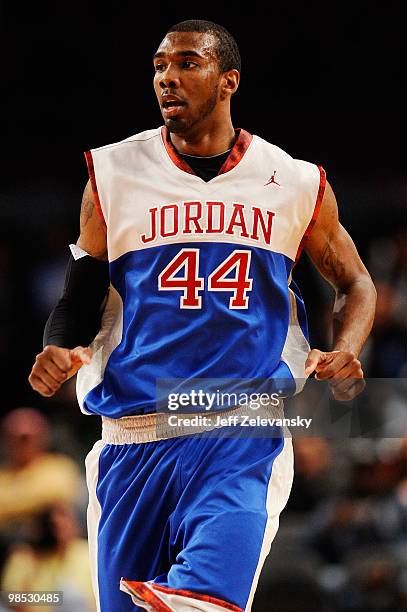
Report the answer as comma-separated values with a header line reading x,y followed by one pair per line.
x,y
76,318
353,315
68,325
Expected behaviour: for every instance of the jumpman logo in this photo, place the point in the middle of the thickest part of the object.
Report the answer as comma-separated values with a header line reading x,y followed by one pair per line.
x,y
272,179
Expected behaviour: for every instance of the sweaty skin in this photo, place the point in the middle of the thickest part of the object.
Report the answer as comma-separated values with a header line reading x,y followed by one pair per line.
x,y
186,67
187,74
334,254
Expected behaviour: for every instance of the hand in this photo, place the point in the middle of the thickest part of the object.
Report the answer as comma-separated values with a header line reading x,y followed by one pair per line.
x,y
55,365
341,368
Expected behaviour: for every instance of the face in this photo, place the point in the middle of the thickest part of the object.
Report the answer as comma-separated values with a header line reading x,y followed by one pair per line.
x,y
23,448
25,435
186,79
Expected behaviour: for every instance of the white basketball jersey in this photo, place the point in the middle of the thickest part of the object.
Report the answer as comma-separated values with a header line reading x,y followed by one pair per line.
x,y
200,271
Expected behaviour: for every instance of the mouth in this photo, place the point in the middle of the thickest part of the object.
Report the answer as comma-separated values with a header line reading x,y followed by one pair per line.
x,y
172,107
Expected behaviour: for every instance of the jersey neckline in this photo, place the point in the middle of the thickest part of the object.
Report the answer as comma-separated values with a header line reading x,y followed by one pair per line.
x,y
242,143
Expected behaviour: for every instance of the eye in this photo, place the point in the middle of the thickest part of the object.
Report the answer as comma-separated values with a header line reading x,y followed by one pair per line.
x,y
186,64
159,67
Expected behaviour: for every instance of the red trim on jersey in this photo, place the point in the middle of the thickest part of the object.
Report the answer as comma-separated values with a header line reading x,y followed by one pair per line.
x,y
91,171
173,153
240,147
321,190
199,596
141,590
242,142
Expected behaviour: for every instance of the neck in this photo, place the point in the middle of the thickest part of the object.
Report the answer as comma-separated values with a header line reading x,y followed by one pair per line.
x,y
206,140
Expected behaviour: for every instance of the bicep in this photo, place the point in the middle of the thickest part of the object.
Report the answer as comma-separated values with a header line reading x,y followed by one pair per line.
x,y
92,236
331,248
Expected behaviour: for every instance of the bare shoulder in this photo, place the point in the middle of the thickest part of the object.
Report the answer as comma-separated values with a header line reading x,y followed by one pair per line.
x,y
92,236
328,218
331,248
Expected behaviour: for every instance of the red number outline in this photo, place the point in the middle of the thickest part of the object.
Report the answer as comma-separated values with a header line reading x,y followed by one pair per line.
x,y
240,285
191,283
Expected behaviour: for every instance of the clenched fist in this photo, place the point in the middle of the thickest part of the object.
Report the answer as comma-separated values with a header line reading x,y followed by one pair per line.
x,y
342,370
55,365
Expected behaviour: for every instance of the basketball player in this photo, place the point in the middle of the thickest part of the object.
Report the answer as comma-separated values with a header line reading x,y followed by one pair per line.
x,y
189,234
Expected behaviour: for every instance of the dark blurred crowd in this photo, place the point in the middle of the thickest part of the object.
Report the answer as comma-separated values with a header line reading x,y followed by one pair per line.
x,y
342,543
43,544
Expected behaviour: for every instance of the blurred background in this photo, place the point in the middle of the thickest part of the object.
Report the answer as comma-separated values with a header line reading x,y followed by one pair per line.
x,y
327,87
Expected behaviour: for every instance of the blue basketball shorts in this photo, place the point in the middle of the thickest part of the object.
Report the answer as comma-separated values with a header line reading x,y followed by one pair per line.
x,y
184,523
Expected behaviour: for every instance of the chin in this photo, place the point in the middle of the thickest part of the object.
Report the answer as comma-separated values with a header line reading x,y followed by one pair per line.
x,y
177,126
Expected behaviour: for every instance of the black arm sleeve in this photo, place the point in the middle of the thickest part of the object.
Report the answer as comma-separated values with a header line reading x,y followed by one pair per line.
x,y
76,319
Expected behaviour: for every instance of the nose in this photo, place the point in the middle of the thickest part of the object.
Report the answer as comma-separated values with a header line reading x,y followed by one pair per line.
x,y
169,78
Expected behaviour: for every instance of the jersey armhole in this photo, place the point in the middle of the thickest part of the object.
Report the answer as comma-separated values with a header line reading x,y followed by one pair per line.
x,y
92,178
317,207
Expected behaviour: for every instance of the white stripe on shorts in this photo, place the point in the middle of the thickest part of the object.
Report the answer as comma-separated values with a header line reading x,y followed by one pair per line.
x,y
278,492
94,513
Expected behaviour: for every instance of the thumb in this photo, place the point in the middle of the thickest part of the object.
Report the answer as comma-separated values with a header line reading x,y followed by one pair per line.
x,y
314,358
79,356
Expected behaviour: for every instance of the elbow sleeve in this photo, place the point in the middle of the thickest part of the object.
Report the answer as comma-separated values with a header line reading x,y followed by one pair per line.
x,y
76,318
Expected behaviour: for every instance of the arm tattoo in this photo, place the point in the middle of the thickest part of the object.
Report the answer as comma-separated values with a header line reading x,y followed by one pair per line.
x,y
86,209
90,239
332,266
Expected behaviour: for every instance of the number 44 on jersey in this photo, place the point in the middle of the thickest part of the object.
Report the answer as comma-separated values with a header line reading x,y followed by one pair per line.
x,y
191,283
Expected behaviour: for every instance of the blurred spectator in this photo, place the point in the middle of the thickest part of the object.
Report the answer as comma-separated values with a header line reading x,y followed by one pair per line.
x,y
388,265
386,351
311,478
374,586
31,478
341,526
291,592
55,560
371,513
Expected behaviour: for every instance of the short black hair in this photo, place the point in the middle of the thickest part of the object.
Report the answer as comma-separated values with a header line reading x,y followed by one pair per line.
x,y
226,48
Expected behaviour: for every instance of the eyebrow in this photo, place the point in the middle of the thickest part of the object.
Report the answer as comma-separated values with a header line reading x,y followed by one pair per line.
x,y
188,53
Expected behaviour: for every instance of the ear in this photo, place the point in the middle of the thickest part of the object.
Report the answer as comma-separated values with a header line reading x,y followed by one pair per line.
x,y
230,83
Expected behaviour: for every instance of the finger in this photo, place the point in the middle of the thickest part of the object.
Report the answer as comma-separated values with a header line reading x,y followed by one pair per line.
x,y
82,354
341,386
53,370
335,363
60,356
39,386
46,378
350,371
313,359
352,392
339,361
